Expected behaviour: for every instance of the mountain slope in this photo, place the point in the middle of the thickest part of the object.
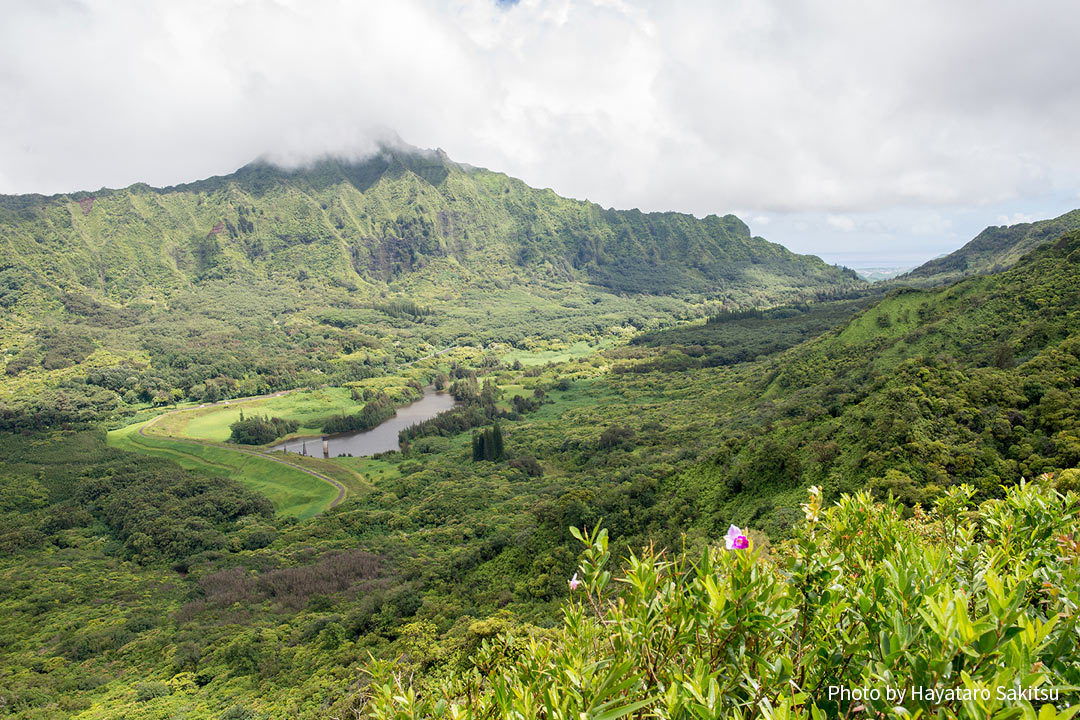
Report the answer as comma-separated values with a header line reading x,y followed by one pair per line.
x,y
994,249
272,278
973,383
358,224
228,613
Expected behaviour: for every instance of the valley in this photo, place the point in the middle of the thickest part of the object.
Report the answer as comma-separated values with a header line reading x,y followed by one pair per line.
x,y
161,559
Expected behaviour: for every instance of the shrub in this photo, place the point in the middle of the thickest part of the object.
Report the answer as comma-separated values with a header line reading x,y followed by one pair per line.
x,y
967,602
236,712
22,362
1068,480
259,537
527,464
256,430
614,437
434,444
150,690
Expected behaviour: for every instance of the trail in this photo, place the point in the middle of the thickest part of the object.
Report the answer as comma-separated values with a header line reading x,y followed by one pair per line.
x,y
428,357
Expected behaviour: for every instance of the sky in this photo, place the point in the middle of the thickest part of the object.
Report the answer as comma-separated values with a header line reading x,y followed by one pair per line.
x,y
873,134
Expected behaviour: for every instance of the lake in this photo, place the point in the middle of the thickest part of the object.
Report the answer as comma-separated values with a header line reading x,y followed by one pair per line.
x,y
380,438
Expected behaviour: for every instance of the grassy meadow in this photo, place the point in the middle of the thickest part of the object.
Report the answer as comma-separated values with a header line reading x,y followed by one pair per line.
x,y
212,423
292,493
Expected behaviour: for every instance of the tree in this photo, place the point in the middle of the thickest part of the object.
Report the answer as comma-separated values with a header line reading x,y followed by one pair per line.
x,y
498,452
260,430
1003,356
488,444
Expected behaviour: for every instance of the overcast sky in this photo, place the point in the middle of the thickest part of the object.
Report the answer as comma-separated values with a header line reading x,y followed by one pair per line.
x,y
865,132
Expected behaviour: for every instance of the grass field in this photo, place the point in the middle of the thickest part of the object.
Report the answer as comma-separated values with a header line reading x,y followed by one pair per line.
x,y
195,438
212,423
292,492
375,469
581,348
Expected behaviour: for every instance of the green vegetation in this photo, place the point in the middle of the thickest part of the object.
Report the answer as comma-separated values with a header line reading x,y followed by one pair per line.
x,y
373,413
269,279
260,430
152,508
309,408
735,336
551,352
993,250
292,492
974,383
488,445
162,571
975,606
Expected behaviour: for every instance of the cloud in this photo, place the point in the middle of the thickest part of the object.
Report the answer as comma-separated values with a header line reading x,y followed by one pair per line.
x,y
931,223
1016,219
841,222
764,105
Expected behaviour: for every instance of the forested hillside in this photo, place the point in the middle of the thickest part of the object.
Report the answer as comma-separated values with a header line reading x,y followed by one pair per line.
x,y
974,383
865,613
270,278
360,431
361,224
940,399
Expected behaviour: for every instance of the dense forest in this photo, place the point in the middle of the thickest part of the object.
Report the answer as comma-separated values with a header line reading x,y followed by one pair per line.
x,y
713,484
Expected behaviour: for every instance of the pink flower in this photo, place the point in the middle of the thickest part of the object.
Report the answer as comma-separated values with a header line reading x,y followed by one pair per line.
x,y
574,582
735,540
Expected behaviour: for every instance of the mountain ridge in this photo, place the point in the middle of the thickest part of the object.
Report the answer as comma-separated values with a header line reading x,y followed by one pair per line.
x,y
388,214
272,278
995,249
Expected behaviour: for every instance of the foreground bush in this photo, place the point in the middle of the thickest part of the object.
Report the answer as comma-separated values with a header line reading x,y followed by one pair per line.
x,y
970,613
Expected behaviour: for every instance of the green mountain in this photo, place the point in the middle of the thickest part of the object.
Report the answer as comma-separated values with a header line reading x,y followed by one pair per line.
x,y
994,249
924,389
151,568
359,225
272,278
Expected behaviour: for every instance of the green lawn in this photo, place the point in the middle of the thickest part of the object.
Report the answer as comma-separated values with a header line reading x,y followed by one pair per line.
x,y
581,348
213,423
292,492
374,469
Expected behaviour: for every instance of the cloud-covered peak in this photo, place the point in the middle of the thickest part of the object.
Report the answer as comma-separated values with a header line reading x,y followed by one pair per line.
x,y
770,107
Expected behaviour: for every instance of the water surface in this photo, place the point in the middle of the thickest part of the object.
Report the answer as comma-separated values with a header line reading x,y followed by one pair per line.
x,y
378,439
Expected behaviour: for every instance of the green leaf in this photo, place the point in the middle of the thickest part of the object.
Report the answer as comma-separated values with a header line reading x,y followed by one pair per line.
x,y
616,713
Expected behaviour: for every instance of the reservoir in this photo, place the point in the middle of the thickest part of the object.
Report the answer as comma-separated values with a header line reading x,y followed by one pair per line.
x,y
378,439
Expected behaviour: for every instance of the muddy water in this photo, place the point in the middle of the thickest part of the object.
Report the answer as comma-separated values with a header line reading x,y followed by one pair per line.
x,y
378,439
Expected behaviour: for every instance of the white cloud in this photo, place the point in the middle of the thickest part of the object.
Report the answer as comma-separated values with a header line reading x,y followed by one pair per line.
x,y
841,222
1016,219
773,107
932,223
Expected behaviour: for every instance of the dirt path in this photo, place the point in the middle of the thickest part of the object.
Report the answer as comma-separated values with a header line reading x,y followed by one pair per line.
x,y
428,357
266,455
